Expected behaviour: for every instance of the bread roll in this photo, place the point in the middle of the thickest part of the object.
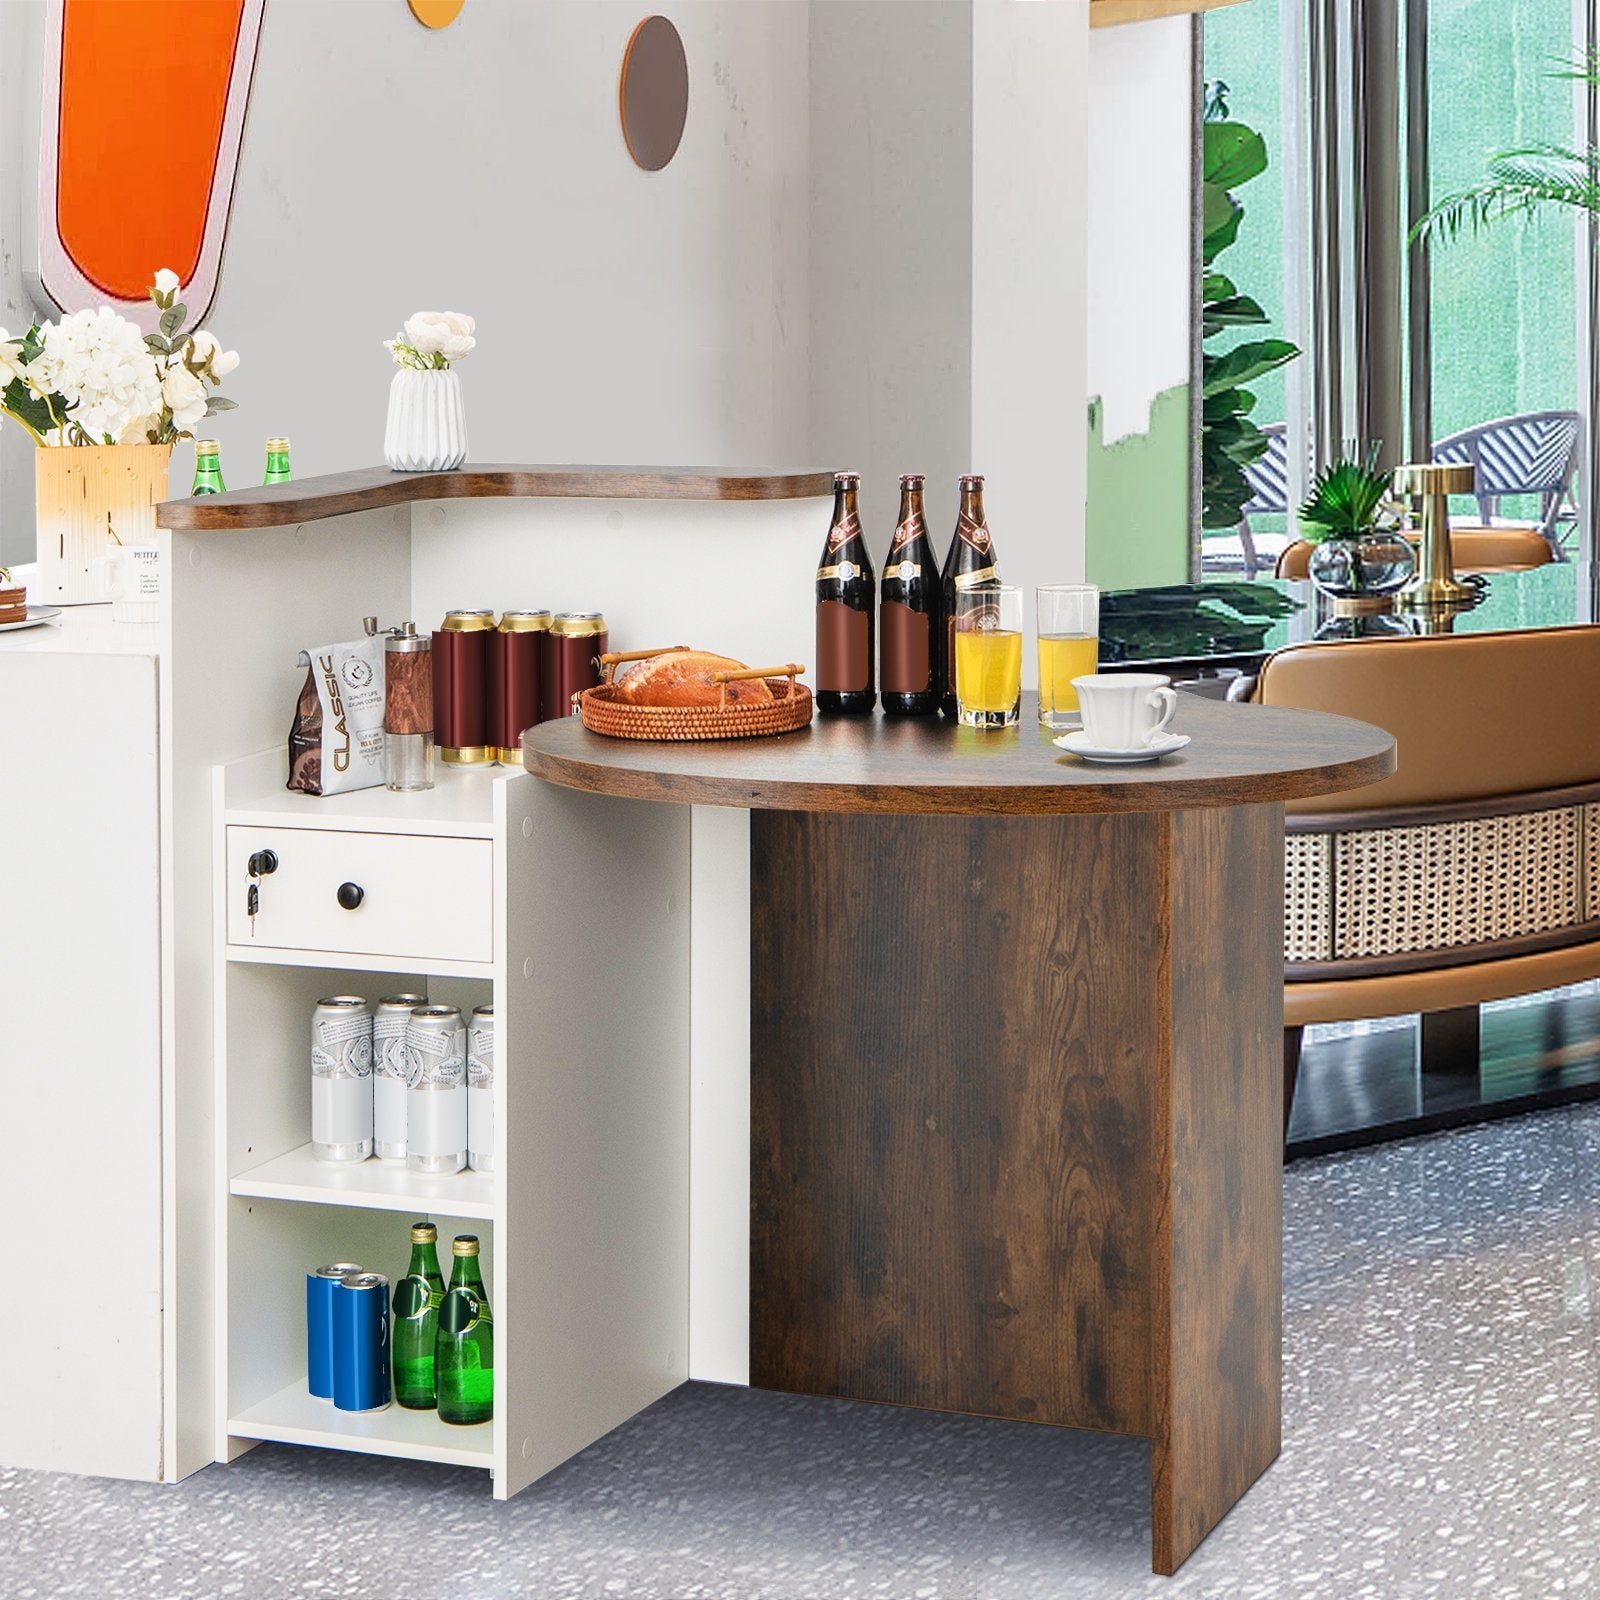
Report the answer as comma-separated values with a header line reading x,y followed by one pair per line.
x,y
683,678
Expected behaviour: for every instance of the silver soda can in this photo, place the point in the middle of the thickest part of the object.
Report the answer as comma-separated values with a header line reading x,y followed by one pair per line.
x,y
480,1090
436,1096
341,1079
389,1074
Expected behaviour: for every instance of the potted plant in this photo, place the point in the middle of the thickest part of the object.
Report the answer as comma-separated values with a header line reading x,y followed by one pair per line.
x,y
427,426
105,404
1354,524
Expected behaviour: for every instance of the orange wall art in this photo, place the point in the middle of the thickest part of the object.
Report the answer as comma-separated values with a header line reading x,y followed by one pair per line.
x,y
143,112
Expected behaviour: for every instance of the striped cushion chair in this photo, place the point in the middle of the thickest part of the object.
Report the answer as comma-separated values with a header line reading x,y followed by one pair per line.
x,y
1534,453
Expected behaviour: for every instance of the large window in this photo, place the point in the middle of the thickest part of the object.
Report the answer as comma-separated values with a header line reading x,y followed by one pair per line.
x,y
1373,110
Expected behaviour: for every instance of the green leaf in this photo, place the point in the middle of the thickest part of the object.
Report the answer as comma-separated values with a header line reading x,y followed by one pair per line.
x,y
172,319
1216,240
216,403
1216,408
1217,209
1244,362
1216,286
1231,153
154,341
1237,311
23,402
1345,499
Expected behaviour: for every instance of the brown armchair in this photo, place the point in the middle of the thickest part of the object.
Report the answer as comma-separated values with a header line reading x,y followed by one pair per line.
x,y
1471,874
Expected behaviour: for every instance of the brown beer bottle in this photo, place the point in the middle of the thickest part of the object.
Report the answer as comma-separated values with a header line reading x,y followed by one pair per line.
x,y
911,614
846,608
970,564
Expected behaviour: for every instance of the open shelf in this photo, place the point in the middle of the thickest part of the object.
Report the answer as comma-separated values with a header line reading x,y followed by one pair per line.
x,y
294,1416
378,1185
459,805
334,961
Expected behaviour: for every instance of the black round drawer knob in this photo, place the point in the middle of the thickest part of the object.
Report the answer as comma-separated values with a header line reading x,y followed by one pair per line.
x,y
351,895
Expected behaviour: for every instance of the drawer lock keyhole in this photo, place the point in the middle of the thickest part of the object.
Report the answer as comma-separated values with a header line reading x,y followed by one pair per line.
x,y
350,895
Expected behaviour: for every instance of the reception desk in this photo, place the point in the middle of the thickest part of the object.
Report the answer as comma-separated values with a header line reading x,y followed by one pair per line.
x,y
1014,1061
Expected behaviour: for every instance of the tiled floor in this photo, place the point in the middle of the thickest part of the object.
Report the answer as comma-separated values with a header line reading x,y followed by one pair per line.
x,y
1442,1363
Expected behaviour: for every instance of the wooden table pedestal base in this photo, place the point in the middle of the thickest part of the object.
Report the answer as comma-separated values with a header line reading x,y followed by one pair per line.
x,y
1016,1127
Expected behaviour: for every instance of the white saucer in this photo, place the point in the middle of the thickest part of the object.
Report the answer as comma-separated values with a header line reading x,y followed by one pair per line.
x,y
36,615
1164,745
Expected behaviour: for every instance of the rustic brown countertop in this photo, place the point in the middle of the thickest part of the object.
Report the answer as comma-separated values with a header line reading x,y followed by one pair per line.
x,y
307,499
1240,755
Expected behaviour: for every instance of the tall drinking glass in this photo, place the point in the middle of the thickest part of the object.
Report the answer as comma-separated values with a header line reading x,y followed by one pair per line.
x,y
989,655
1069,647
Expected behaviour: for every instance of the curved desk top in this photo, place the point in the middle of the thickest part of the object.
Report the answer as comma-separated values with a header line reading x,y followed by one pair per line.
x,y
308,499
1241,755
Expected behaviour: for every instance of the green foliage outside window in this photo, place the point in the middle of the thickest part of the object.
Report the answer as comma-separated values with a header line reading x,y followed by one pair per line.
x,y
1232,154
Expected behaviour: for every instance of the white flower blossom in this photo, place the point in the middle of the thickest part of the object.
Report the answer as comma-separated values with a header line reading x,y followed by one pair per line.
x,y
203,348
185,395
100,364
166,280
139,430
443,333
10,357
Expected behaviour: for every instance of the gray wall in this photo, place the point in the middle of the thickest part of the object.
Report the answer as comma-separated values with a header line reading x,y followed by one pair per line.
x,y
622,315
870,250
891,249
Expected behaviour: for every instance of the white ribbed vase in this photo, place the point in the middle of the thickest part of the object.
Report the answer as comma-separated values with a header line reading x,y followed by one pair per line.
x,y
427,428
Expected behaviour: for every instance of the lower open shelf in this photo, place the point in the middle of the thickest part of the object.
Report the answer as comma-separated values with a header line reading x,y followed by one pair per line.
x,y
294,1416
382,1185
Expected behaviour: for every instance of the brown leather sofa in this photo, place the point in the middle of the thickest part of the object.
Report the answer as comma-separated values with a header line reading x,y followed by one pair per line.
x,y
1473,549
1472,873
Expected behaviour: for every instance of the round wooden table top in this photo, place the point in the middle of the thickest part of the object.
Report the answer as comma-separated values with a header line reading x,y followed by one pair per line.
x,y
1238,755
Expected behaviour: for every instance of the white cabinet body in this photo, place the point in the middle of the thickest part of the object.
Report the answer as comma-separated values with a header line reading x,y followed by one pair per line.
x,y
143,1000
81,1181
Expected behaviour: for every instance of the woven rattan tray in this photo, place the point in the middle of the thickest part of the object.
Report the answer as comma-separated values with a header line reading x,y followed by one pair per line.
x,y
788,710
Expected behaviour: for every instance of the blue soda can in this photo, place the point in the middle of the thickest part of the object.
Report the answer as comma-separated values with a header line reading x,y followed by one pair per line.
x,y
319,1325
361,1342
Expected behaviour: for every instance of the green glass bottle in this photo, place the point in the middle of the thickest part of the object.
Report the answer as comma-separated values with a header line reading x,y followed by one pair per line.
x,y
277,461
207,468
463,1361
416,1320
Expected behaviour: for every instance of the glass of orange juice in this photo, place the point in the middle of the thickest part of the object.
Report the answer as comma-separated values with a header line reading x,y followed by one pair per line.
x,y
1069,647
989,655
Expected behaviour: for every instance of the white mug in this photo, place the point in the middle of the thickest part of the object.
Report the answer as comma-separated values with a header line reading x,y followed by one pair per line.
x,y
1125,710
129,576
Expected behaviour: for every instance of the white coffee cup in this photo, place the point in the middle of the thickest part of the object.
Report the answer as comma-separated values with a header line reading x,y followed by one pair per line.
x,y
129,576
1125,710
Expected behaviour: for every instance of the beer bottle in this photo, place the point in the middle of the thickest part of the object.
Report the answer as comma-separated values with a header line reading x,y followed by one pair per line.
x,y
969,564
463,1359
207,468
846,606
416,1320
911,614
277,461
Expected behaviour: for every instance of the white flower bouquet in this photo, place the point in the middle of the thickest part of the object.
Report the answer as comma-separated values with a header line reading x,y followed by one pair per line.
x,y
431,340
93,378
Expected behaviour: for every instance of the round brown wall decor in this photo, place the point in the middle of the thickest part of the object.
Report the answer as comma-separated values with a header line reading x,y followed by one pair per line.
x,y
653,94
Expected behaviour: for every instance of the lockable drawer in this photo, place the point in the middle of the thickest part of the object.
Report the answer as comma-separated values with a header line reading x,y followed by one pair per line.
x,y
380,894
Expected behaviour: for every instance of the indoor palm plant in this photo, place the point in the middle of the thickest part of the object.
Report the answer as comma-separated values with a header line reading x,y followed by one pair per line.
x,y
1353,522
1524,179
